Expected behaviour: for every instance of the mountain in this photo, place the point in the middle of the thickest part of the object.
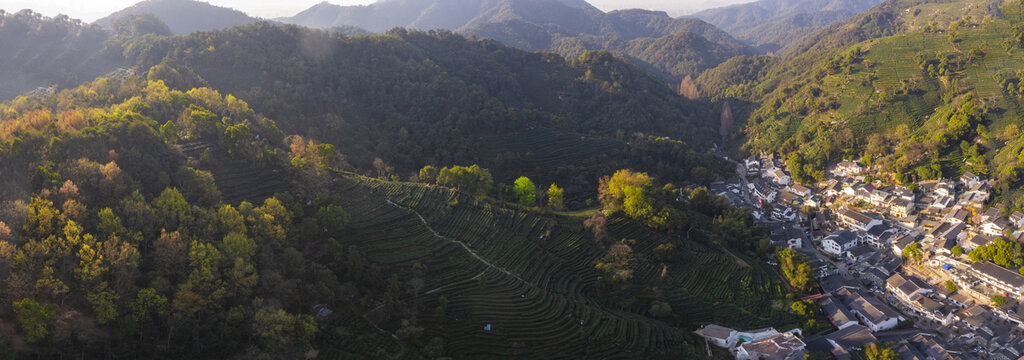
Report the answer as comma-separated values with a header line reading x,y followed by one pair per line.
x,y
777,24
41,53
671,48
914,87
420,14
446,93
183,16
279,192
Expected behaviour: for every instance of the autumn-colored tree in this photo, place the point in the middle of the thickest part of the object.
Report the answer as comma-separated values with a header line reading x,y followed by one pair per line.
x,y
726,121
880,352
170,253
688,88
795,267
615,190
90,264
74,210
42,219
473,179
231,221
556,197
913,252
428,174
5,233
69,191
618,263
597,224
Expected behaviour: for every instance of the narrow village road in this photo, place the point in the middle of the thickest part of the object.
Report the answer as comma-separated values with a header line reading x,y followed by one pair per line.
x,y
741,170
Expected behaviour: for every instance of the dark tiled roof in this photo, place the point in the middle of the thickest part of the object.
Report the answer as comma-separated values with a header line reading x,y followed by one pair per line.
x,y
867,306
907,351
714,331
999,273
978,240
903,240
878,230
843,237
855,335
836,310
856,216
928,304
861,250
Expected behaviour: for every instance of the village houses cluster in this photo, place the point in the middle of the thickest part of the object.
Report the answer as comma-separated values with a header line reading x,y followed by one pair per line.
x,y
856,231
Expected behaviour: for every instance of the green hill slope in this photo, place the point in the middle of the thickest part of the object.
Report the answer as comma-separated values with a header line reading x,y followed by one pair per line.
x,y
532,278
414,99
119,198
931,81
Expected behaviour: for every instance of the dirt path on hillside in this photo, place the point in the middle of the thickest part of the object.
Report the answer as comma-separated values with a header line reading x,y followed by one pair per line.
x,y
460,243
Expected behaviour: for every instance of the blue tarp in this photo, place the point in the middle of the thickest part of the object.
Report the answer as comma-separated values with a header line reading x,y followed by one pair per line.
x,y
947,267
487,327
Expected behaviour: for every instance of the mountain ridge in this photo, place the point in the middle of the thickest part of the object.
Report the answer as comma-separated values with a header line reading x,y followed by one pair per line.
x,y
183,16
779,24
566,27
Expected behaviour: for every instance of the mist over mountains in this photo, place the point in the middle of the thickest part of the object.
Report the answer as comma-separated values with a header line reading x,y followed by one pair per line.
x,y
183,16
777,24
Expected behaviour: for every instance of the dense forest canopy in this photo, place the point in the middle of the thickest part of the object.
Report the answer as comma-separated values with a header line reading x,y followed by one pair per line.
x,y
413,98
275,191
116,229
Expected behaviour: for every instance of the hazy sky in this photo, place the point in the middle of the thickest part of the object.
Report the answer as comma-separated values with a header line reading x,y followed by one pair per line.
x,y
89,10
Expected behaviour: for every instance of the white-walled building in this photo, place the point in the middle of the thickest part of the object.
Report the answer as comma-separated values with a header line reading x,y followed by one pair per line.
x,y
839,242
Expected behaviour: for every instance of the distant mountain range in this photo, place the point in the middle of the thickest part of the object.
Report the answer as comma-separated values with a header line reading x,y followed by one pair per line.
x,y
183,16
46,53
779,24
435,14
671,48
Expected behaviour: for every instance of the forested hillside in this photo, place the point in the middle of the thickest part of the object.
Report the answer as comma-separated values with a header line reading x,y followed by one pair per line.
x,y
671,48
272,191
130,227
40,52
777,25
414,98
870,87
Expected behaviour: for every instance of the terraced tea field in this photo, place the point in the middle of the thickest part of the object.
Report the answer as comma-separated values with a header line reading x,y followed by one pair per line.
x,y
532,278
237,181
